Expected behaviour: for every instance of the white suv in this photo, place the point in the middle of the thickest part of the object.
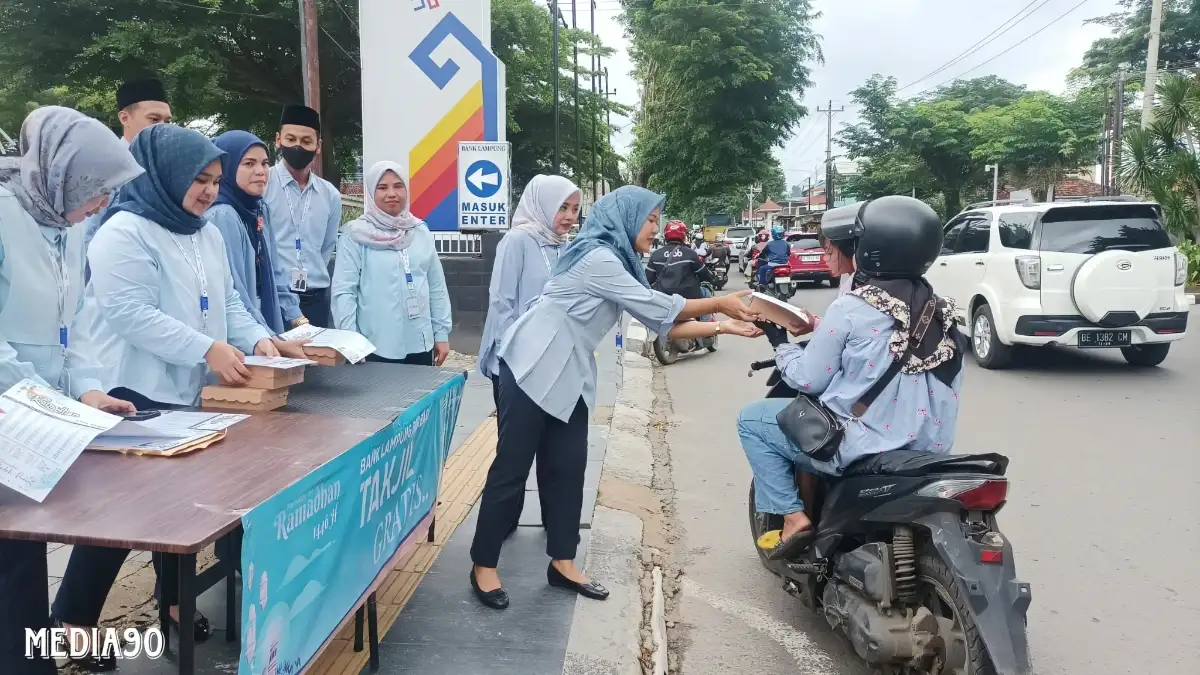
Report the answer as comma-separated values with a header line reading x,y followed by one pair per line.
x,y
1095,273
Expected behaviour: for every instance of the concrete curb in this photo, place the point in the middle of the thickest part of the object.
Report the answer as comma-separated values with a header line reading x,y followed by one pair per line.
x,y
606,637
658,623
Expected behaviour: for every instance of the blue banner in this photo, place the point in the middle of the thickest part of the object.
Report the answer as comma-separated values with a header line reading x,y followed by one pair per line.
x,y
310,553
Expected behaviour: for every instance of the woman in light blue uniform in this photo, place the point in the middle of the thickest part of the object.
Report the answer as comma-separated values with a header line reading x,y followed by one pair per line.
x,y
548,209
240,216
161,301
69,165
388,282
547,374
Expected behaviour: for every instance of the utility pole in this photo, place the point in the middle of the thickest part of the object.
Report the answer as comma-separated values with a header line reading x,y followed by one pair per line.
x,y
1156,12
1105,140
595,99
753,190
608,125
310,62
829,199
554,76
1118,127
575,69
995,169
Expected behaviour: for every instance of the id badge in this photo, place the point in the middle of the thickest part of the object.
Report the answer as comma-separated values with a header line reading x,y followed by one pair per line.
x,y
414,307
299,280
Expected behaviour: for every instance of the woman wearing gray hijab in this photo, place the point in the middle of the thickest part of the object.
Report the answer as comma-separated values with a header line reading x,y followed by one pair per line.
x,y
68,166
548,209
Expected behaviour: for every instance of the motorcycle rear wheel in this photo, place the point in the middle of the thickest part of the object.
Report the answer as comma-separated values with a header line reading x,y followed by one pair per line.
x,y
940,594
664,351
761,523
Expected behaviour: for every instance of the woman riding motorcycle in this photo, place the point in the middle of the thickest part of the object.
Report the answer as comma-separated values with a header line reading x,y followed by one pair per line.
x,y
864,332
776,253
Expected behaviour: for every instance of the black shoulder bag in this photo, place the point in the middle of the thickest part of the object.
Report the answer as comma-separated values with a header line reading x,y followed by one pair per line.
x,y
816,430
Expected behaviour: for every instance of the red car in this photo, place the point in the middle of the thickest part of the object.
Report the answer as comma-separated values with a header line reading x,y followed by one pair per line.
x,y
807,260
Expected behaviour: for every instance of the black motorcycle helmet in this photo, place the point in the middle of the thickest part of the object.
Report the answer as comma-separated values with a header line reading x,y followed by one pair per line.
x,y
895,237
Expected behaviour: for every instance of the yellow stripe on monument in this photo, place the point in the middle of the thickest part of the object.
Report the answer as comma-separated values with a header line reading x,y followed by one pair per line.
x,y
444,130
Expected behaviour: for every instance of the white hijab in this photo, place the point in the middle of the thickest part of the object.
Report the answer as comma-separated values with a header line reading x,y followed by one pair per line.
x,y
377,229
539,205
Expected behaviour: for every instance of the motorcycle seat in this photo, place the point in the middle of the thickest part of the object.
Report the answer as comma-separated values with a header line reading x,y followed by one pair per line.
x,y
917,463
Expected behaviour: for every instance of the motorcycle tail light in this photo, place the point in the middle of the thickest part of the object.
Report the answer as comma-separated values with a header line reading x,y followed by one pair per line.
x,y
991,556
783,271
975,494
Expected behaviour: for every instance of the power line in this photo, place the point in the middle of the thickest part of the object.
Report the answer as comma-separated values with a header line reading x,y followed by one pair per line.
x,y
983,42
1027,38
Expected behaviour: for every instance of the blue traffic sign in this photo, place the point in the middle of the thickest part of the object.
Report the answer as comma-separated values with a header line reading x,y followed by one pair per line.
x,y
483,179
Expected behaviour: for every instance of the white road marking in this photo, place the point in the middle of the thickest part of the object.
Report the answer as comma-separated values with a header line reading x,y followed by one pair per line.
x,y
806,653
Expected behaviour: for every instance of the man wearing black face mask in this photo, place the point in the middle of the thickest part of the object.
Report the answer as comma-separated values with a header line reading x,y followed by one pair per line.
x,y
305,211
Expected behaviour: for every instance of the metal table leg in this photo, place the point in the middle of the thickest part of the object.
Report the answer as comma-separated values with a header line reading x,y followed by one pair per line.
x,y
232,610
187,614
373,632
432,526
360,615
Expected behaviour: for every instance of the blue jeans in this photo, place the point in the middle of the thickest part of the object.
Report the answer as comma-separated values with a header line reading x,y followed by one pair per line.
x,y
773,458
762,271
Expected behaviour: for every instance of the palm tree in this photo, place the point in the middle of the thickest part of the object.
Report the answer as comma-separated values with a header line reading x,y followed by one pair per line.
x,y
1163,161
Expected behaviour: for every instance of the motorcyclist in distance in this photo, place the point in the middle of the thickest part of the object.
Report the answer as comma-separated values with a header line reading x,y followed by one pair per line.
x,y
776,252
701,246
676,268
718,251
866,331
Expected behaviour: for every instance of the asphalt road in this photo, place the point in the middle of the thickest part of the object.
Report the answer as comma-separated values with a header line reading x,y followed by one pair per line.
x,y
1102,511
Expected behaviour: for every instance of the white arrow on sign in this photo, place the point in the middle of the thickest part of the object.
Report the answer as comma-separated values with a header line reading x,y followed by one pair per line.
x,y
479,179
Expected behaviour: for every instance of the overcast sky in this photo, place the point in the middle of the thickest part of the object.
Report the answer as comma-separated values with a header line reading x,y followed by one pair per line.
x,y
904,38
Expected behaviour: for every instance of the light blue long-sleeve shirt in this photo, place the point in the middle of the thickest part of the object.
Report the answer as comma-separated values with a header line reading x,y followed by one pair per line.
x,y
314,214
519,274
370,295
143,306
76,371
847,354
273,312
551,348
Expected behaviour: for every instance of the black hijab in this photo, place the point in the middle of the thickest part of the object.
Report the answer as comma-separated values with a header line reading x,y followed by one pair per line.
x,y
915,294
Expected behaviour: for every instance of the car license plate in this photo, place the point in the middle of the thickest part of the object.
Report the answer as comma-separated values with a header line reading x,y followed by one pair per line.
x,y
1105,338
810,258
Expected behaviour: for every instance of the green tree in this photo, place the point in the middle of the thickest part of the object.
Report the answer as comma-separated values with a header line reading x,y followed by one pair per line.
x,y
721,84
981,93
235,62
1164,160
1035,139
1179,40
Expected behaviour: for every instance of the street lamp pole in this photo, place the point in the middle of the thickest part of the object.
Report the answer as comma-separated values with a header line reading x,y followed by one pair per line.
x,y
575,69
595,100
554,77
995,169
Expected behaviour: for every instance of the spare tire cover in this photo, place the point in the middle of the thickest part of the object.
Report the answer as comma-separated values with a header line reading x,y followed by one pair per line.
x,y
1115,281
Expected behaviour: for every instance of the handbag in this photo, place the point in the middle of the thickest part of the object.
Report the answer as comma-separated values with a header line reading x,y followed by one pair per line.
x,y
813,428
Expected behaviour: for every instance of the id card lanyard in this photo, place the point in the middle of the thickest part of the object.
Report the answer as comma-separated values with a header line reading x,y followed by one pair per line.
x,y
546,258
62,284
414,305
198,269
305,203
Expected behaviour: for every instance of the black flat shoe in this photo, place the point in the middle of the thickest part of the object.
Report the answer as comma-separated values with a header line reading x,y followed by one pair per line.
x,y
91,664
497,599
202,628
590,590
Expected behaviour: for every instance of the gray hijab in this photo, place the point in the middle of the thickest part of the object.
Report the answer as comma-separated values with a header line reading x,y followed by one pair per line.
x,y
67,159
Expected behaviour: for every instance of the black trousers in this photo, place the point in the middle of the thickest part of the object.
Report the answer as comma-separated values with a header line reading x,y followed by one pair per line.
x,y
314,305
417,359
526,431
23,602
541,472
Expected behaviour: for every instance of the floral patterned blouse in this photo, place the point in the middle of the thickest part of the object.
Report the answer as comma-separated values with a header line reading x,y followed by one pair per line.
x,y
849,350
